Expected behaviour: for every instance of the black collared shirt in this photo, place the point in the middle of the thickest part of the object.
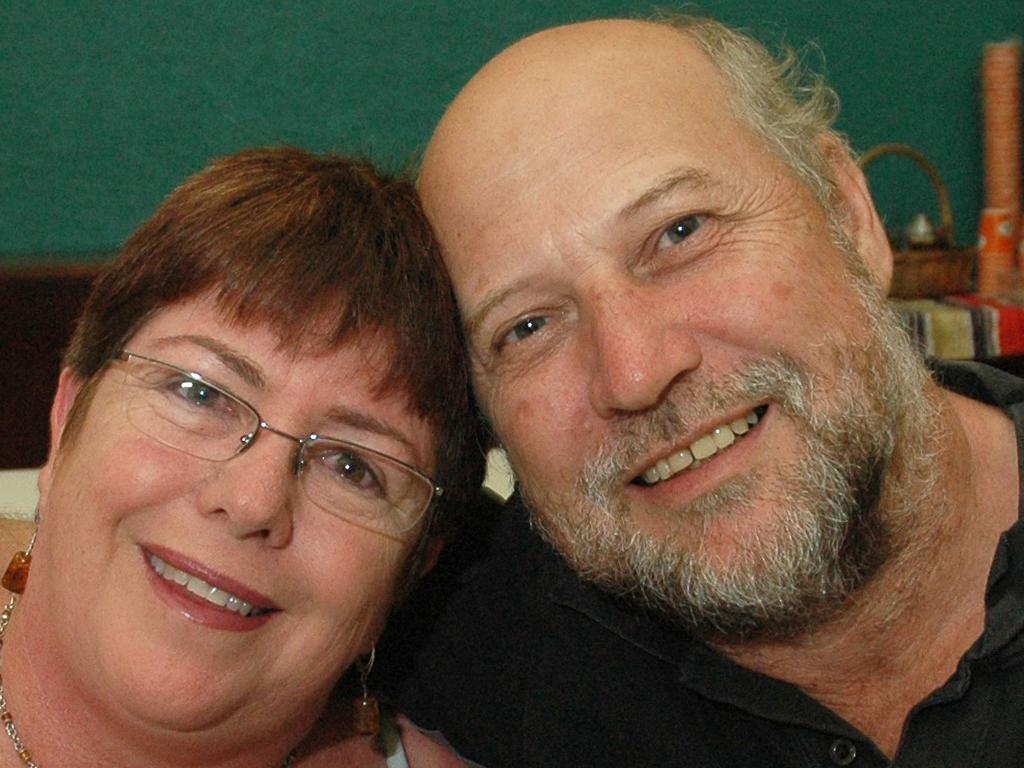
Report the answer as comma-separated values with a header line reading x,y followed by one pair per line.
x,y
527,666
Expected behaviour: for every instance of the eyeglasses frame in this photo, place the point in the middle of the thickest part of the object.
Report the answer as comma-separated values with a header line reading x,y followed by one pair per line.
x,y
247,440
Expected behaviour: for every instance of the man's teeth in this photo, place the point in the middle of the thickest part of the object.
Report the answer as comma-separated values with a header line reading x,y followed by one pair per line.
x,y
200,588
704,447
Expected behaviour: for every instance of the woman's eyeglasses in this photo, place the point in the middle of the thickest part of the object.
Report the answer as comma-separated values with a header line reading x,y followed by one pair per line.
x,y
182,410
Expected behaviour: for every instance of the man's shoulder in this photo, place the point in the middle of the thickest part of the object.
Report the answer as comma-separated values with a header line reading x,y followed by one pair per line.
x,y
488,585
499,559
979,381
526,665
460,654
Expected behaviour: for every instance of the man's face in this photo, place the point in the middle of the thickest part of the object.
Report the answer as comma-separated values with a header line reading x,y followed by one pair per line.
x,y
666,339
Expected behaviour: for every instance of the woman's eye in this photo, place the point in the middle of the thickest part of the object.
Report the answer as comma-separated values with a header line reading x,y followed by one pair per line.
x,y
350,468
524,329
680,230
198,393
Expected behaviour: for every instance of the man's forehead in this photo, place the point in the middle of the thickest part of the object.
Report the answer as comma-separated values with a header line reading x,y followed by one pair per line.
x,y
538,90
571,123
580,82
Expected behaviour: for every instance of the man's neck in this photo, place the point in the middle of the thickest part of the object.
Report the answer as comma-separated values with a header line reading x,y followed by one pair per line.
x,y
904,633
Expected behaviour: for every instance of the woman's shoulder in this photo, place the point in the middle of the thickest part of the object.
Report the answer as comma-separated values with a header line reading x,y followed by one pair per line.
x,y
400,744
426,750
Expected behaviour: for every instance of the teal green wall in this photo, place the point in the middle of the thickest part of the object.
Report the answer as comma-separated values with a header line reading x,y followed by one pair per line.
x,y
105,106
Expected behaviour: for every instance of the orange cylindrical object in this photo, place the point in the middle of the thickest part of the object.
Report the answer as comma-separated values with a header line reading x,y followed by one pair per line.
x,y
997,249
1000,88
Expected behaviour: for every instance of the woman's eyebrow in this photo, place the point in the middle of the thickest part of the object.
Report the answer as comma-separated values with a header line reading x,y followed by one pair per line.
x,y
249,371
365,422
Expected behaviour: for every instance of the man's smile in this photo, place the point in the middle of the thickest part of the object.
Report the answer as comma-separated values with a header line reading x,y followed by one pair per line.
x,y
703,448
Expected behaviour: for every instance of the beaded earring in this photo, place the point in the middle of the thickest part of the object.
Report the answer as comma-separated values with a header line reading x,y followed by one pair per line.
x,y
367,709
16,576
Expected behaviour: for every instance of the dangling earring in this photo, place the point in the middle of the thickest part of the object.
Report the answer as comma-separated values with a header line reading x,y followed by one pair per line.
x,y
16,576
367,710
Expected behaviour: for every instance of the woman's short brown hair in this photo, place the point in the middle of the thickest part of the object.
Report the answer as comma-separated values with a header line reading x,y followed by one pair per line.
x,y
320,248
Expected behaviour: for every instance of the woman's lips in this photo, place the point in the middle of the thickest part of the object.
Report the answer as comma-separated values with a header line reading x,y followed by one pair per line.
x,y
206,597
219,597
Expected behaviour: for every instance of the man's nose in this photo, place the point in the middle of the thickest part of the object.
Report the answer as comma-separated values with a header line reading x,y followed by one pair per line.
x,y
639,344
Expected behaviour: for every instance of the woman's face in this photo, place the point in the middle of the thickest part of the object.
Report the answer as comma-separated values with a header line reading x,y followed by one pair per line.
x,y
114,498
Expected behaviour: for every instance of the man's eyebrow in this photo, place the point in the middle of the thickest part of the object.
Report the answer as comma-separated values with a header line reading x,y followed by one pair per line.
x,y
681,178
247,369
476,317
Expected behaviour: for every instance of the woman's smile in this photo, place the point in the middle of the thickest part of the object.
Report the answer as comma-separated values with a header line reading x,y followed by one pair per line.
x,y
210,598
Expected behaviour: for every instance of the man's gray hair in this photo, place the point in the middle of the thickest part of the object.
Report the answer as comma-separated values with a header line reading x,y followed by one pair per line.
x,y
791,108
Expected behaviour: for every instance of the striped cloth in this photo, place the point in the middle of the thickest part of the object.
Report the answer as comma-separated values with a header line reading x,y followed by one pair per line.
x,y
965,327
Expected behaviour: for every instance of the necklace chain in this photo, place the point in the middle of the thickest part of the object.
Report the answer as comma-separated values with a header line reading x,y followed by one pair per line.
x,y
5,715
8,720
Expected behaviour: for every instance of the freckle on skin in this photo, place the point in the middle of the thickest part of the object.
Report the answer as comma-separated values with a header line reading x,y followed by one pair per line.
x,y
524,408
781,291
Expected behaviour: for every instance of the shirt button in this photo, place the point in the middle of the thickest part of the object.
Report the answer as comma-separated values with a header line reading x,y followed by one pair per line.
x,y
842,752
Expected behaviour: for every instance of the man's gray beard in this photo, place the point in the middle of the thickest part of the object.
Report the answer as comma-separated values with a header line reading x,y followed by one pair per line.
x,y
843,507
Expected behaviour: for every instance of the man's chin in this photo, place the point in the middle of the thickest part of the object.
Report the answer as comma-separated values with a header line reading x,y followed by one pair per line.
x,y
737,569
721,529
716,595
724,529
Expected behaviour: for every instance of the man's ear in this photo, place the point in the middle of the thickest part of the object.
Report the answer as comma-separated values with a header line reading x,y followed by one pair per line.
x,y
69,387
858,216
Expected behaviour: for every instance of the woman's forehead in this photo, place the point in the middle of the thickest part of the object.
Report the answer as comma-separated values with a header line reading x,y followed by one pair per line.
x,y
331,376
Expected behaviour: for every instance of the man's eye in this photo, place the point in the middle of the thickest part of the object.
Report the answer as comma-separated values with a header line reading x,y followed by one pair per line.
x,y
680,230
524,329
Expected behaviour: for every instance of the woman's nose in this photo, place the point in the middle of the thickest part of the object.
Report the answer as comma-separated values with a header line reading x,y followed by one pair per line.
x,y
255,492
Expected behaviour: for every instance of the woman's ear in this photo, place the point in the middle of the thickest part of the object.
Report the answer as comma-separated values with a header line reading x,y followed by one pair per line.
x,y
430,554
859,218
69,387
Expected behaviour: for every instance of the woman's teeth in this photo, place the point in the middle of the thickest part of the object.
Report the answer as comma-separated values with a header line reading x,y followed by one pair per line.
x,y
704,447
200,588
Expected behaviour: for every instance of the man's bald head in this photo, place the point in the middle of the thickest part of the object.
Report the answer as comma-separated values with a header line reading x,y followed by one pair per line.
x,y
561,74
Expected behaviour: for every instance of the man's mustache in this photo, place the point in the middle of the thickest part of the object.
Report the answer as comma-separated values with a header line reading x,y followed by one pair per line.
x,y
694,401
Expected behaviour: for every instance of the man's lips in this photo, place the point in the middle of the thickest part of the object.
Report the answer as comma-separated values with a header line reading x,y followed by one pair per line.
x,y
212,588
714,441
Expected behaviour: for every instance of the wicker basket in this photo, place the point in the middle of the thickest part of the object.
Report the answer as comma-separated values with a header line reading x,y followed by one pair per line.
x,y
937,270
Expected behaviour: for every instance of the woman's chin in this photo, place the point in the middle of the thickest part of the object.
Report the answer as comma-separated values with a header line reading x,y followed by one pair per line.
x,y
177,675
